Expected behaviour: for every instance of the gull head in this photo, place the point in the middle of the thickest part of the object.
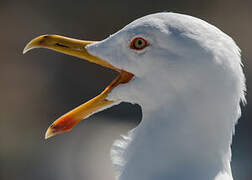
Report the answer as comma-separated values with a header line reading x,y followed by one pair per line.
x,y
172,56
160,58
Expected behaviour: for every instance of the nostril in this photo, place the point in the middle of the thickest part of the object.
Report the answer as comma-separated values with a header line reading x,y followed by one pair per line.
x,y
61,45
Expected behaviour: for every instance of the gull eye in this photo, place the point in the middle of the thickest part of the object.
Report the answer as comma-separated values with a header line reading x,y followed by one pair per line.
x,y
138,43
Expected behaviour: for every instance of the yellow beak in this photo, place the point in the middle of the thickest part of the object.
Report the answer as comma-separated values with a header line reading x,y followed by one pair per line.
x,y
77,48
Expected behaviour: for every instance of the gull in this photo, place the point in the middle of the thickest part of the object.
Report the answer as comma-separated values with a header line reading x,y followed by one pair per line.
x,y
186,75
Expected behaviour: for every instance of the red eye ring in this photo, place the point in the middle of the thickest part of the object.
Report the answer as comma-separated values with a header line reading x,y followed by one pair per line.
x,y
138,43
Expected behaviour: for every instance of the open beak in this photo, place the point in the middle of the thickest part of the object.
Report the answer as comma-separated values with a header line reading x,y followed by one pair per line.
x,y
77,48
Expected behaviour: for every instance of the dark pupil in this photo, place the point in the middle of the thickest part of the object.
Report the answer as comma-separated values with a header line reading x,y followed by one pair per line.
x,y
139,43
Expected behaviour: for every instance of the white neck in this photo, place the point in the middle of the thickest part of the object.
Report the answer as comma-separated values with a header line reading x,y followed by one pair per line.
x,y
187,138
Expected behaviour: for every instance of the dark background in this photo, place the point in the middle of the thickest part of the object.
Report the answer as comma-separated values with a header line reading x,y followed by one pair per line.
x,y
41,85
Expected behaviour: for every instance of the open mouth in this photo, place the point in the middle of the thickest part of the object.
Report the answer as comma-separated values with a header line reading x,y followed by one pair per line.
x,y
77,48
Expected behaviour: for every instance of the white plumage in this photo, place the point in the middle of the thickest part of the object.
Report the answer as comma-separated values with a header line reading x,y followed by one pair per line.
x,y
189,83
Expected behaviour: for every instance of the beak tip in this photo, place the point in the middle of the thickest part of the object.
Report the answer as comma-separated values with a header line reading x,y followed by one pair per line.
x,y
26,49
35,43
49,133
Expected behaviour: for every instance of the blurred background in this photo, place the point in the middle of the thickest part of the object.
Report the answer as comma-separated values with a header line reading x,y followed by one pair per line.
x,y
41,85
